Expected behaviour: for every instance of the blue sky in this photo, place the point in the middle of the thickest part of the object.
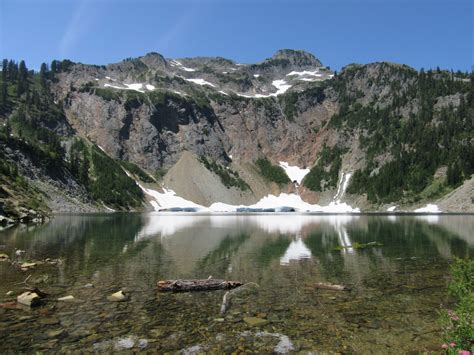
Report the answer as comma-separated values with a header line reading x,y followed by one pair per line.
x,y
420,33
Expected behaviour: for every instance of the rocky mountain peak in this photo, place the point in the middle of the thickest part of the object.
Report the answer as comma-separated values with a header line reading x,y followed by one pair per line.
x,y
297,58
153,60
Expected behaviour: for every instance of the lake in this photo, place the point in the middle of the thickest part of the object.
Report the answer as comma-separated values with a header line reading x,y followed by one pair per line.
x,y
397,286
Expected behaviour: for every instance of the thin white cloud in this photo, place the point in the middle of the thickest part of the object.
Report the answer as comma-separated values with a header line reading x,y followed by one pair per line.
x,y
171,37
80,22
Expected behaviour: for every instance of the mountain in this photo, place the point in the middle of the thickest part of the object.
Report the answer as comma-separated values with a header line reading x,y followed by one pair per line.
x,y
145,132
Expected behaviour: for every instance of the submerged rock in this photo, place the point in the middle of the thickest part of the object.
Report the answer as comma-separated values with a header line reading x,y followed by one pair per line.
x,y
4,257
255,322
68,298
29,299
26,266
119,296
59,333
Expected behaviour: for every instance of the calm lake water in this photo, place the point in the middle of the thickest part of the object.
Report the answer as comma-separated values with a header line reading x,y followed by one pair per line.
x,y
397,288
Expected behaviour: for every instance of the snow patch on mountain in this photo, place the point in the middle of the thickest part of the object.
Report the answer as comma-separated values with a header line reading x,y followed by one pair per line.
x,y
135,86
295,173
305,73
200,82
342,186
281,85
429,208
175,63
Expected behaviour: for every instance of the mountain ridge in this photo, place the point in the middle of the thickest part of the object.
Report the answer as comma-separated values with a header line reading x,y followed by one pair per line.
x,y
356,121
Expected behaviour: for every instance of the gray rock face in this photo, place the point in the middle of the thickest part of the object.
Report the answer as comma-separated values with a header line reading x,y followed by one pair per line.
x,y
152,110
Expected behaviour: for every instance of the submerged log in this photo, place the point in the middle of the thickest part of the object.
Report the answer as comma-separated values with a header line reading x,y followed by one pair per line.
x,y
332,287
196,285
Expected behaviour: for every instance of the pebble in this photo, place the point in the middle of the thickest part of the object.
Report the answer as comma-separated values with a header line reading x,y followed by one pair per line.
x,y
59,333
49,321
9,293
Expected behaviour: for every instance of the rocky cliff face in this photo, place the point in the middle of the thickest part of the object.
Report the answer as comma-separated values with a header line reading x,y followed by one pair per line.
x,y
168,114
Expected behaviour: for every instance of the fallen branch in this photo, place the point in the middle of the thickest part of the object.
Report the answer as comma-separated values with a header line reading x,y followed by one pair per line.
x,y
226,300
196,285
41,294
332,287
25,281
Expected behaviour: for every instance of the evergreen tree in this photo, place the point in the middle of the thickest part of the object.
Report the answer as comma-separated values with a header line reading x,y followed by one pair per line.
x,y
3,97
22,84
43,75
54,66
454,174
4,69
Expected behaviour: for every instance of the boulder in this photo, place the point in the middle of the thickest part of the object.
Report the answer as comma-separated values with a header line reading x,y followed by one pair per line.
x,y
29,299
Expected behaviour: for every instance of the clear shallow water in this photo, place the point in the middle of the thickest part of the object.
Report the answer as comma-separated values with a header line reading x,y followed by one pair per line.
x,y
397,289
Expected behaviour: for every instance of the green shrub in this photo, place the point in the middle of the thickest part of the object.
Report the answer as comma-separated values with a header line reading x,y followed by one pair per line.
x,y
110,184
272,172
458,323
135,170
324,175
228,176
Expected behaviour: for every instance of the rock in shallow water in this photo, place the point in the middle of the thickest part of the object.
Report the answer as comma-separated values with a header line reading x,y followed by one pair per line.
x,y
119,296
254,321
69,298
29,299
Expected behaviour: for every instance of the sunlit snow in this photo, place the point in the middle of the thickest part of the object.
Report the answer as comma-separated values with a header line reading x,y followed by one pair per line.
x,y
200,82
135,86
294,173
175,63
281,85
429,208
342,186
304,73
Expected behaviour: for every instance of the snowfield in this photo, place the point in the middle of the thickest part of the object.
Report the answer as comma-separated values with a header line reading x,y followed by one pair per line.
x,y
281,85
200,82
294,173
429,208
135,86
175,63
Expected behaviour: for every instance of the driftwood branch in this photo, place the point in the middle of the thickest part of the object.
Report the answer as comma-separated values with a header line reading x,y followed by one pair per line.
x,y
196,285
227,299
